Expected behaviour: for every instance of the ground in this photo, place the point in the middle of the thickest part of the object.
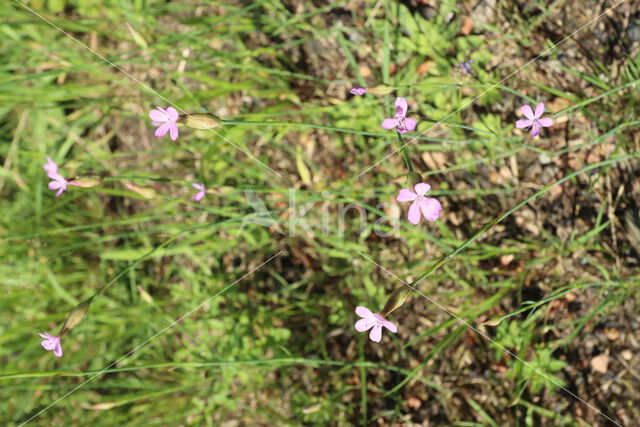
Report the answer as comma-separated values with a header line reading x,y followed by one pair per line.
x,y
525,302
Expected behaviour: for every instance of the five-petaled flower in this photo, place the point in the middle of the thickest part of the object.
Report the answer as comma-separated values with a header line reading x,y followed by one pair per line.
x,y
51,342
200,194
358,91
399,120
535,121
166,120
373,321
57,181
429,206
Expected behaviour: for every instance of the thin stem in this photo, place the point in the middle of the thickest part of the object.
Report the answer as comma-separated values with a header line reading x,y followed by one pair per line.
x,y
405,153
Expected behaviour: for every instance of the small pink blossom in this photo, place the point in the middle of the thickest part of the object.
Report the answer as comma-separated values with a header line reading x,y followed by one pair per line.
x,y
359,91
428,206
57,183
51,342
166,122
373,321
50,166
399,120
535,121
200,194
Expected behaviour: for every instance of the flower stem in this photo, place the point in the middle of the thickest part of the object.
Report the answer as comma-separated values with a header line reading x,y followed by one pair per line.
x,y
405,153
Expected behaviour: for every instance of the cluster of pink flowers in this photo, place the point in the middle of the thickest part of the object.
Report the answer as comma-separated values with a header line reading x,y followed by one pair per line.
x,y
421,204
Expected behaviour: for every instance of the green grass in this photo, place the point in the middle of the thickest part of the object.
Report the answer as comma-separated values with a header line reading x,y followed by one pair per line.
x,y
534,248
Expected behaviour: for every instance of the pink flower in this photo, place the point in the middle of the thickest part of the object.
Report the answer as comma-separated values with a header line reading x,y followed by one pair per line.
x,y
51,342
166,120
373,321
50,166
359,91
534,120
57,183
200,194
429,207
403,123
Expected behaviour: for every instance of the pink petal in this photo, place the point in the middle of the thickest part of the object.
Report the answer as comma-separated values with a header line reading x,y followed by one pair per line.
x,y
173,114
364,325
414,213
406,195
58,349
56,176
50,166
520,124
526,110
401,107
60,191
539,110
173,131
358,91
158,116
54,185
45,335
545,122
535,129
389,123
199,195
430,209
48,345
390,326
162,130
410,124
364,312
198,186
376,333
422,188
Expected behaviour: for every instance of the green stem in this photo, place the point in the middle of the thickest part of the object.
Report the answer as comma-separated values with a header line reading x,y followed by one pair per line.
x,y
405,153
279,362
337,129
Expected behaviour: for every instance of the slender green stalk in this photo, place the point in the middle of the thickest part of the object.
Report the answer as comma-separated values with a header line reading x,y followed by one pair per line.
x,y
405,153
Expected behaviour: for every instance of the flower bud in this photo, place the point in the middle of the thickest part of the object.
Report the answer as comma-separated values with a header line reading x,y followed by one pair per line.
x,y
200,120
414,178
395,300
86,181
76,315
146,192
381,90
